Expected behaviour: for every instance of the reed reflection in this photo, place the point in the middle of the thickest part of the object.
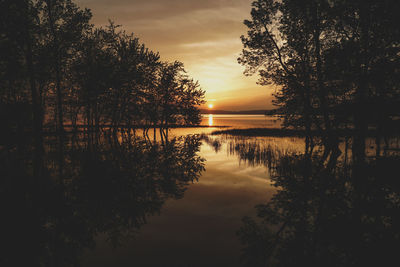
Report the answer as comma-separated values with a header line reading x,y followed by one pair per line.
x,y
323,212
253,151
57,201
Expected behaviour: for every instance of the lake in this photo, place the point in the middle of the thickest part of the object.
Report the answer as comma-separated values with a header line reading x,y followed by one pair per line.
x,y
200,229
241,121
196,199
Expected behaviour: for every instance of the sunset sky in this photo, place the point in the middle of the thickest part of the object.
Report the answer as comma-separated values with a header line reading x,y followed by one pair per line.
x,y
204,35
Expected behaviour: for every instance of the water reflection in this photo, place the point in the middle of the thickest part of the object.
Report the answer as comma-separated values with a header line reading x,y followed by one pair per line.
x,y
322,214
255,151
58,198
242,121
210,120
59,201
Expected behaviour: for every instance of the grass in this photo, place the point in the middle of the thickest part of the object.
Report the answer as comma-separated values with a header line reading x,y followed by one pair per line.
x,y
275,132
280,132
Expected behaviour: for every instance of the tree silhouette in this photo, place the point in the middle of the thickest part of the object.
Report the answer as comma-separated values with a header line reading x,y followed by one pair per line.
x,y
322,54
54,62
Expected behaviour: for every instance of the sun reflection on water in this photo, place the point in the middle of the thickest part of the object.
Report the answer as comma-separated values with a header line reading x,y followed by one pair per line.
x,y
210,120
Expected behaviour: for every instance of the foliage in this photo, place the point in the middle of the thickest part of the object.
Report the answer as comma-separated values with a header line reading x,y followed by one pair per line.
x,y
70,73
336,63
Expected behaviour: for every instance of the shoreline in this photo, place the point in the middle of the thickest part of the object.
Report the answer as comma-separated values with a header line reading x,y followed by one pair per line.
x,y
281,132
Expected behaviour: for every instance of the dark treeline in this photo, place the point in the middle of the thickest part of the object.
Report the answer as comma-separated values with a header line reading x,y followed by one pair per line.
x,y
60,74
337,64
58,70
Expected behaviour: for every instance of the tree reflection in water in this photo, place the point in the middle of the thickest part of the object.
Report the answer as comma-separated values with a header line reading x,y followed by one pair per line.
x,y
56,199
322,213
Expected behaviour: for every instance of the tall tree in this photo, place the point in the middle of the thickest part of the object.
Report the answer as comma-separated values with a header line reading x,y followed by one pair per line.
x,y
324,56
64,24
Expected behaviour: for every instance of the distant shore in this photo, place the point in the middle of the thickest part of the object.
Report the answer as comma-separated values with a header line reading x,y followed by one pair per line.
x,y
281,132
239,112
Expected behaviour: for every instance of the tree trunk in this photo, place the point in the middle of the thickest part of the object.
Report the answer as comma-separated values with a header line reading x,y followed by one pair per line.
x,y
57,68
360,122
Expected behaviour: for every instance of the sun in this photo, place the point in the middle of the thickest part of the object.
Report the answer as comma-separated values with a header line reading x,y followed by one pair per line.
x,y
210,106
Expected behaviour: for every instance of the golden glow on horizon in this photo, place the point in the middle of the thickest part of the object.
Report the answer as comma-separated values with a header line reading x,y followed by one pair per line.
x,y
210,106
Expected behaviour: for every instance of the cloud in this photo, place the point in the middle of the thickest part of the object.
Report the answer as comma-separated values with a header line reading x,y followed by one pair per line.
x,y
204,35
157,9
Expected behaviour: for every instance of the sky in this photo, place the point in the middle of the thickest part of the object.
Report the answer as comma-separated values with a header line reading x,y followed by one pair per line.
x,y
203,34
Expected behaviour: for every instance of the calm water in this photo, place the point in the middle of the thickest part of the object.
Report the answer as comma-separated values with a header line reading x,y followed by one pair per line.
x,y
200,229
241,121
115,200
